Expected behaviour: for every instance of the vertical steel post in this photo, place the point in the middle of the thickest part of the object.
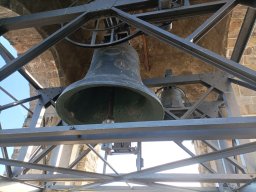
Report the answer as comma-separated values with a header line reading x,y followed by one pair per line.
x,y
36,120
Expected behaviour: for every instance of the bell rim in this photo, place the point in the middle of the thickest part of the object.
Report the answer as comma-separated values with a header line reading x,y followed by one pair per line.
x,y
87,83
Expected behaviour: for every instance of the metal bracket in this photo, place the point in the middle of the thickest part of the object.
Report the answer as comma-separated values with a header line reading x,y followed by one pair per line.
x,y
50,94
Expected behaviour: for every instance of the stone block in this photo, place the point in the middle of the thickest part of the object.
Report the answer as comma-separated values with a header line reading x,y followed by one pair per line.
x,y
254,99
231,42
250,61
235,24
252,41
249,50
238,13
251,109
244,100
246,92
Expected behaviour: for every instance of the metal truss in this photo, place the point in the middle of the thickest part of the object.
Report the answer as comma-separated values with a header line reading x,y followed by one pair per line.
x,y
203,121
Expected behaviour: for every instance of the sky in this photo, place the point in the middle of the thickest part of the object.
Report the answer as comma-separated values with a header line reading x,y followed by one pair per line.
x,y
153,153
18,87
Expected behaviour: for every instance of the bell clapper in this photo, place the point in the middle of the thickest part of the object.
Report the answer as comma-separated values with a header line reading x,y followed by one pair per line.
x,y
107,147
111,103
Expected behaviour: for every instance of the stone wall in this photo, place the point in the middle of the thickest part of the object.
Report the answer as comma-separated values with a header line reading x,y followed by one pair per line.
x,y
46,69
66,63
246,98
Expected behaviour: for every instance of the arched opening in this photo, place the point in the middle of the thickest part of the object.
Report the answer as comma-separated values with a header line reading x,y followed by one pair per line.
x,y
44,69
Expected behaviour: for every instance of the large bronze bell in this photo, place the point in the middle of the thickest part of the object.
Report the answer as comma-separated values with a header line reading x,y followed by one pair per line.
x,y
112,89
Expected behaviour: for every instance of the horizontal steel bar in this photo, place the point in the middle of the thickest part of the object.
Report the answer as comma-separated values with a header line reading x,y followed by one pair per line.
x,y
187,177
242,83
173,80
49,168
67,14
157,177
201,53
137,189
13,104
188,129
181,12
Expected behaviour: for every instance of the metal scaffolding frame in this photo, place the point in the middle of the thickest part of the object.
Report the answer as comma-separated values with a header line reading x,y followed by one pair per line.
x,y
235,168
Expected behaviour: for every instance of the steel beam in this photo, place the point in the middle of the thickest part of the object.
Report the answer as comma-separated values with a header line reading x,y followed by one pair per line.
x,y
13,104
248,187
8,57
150,186
203,54
10,181
15,99
204,178
212,21
231,160
53,169
32,53
244,34
242,83
181,12
36,120
68,14
102,158
5,155
248,3
197,103
186,2
245,148
139,189
184,148
157,177
208,79
189,129
173,80
80,157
